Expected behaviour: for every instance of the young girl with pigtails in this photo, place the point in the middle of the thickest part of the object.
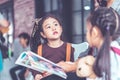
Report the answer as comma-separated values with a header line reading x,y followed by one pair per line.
x,y
102,25
53,48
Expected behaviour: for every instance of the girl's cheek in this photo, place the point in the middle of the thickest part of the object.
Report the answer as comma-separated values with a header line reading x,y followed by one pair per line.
x,y
88,37
61,30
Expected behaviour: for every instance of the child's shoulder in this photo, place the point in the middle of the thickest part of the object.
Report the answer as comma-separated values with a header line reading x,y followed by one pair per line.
x,y
115,48
115,59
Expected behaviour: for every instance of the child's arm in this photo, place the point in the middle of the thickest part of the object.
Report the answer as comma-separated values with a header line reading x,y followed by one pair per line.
x,y
68,66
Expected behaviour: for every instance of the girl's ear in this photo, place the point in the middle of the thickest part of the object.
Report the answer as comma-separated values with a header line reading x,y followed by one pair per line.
x,y
42,34
95,32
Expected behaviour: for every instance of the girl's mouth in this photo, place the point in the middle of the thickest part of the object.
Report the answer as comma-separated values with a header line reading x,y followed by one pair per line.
x,y
54,33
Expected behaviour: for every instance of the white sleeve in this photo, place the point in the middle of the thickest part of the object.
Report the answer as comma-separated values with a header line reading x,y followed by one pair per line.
x,y
115,66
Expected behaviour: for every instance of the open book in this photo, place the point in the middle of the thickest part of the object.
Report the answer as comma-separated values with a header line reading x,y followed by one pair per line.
x,y
38,63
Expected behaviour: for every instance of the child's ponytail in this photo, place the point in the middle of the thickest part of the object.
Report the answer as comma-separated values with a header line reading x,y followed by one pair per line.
x,y
102,64
35,36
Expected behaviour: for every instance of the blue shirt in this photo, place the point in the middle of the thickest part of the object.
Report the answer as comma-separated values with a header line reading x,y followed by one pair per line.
x,y
1,62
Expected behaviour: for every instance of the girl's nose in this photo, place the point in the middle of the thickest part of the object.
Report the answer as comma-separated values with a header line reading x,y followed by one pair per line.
x,y
53,28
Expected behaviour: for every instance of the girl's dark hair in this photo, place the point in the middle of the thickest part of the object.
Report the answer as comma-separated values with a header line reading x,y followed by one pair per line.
x,y
25,36
106,19
36,38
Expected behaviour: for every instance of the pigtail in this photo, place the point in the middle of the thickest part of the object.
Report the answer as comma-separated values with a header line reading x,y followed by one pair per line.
x,y
102,64
35,36
106,55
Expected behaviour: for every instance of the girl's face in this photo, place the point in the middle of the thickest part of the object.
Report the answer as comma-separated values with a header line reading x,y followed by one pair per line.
x,y
52,30
23,41
88,33
93,35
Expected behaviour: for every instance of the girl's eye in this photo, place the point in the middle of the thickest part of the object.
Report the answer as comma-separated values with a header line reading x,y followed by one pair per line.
x,y
86,63
56,24
48,27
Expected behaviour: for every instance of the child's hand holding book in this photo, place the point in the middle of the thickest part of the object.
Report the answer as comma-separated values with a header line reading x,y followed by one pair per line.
x,y
42,75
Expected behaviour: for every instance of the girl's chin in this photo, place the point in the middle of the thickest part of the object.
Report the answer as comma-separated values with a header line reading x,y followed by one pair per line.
x,y
55,38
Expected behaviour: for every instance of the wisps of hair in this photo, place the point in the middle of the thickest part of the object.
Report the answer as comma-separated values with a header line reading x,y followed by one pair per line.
x,y
35,36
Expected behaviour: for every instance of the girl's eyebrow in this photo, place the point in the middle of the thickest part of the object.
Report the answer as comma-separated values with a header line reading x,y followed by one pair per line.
x,y
49,24
46,25
54,21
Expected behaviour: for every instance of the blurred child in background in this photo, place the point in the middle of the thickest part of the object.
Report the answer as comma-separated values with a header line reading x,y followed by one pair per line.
x,y
24,41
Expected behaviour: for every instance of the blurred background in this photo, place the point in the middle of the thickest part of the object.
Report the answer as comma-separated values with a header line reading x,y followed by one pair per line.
x,y
21,13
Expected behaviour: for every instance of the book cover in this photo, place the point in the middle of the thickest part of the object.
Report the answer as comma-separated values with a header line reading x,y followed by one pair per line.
x,y
33,61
